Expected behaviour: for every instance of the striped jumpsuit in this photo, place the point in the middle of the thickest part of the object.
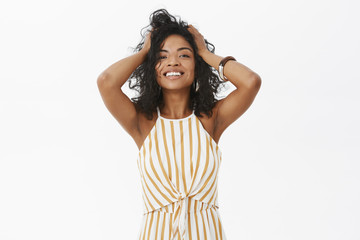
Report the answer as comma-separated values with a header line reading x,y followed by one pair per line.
x,y
179,164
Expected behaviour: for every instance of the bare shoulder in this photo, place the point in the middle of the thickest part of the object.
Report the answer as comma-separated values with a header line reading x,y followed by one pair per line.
x,y
144,127
209,123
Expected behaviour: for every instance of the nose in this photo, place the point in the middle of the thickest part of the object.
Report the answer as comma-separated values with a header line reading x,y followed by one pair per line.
x,y
173,61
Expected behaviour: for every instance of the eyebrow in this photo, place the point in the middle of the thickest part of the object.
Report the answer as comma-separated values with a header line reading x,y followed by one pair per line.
x,y
179,49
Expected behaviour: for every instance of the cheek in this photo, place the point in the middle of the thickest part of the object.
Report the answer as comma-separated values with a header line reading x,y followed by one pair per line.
x,y
192,64
158,69
192,69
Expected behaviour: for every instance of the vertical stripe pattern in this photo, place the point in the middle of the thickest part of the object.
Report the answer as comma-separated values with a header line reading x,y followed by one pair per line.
x,y
178,165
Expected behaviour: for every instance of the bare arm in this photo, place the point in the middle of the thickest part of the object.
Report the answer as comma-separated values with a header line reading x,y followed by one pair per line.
x,y
110,82
246,81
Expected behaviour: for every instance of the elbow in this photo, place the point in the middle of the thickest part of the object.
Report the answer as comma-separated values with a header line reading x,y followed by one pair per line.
x,y
255,81
102,79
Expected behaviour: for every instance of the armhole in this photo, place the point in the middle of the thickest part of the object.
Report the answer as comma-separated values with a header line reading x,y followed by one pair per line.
x,y
215,121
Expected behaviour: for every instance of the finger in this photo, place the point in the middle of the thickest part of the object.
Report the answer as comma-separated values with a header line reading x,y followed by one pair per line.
x,y
191,27
194,31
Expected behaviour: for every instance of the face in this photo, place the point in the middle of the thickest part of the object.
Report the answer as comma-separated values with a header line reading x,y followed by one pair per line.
x,y
176,66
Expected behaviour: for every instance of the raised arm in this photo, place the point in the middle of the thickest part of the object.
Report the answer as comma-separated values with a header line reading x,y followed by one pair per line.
x,y
110,82
246,81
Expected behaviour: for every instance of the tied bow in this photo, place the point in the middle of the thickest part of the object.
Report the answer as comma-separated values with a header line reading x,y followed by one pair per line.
x,y
180,219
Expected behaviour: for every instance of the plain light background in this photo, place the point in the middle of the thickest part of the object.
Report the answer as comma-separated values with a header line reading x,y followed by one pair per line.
x,y
290,168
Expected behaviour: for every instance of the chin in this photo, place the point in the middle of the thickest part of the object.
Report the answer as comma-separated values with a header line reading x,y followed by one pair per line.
x,y
179,83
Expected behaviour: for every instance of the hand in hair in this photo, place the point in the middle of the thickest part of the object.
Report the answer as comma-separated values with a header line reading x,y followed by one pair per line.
x,y
199,39
147,43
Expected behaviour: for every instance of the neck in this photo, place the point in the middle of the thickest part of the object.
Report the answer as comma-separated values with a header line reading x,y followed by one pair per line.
x,y
176,104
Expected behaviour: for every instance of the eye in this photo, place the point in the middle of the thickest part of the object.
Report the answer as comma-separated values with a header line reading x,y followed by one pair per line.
x,y
162,57
185,55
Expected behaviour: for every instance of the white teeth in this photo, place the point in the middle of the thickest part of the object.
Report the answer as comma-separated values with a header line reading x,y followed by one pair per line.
x,y
173,74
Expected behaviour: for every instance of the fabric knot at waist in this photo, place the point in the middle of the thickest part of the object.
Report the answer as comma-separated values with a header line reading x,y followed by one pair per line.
x,y
180,210
180,215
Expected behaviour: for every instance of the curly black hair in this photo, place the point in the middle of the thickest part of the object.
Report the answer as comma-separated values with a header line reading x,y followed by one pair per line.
x,y
150,96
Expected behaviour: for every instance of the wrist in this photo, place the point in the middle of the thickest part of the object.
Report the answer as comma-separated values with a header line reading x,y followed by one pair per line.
x,y
142,53
204,53
222,65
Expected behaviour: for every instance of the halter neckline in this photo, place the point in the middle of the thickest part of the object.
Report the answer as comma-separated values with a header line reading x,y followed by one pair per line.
x,y
174,119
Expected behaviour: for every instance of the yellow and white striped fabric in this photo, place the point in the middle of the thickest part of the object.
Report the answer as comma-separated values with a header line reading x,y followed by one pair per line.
x,y
179,164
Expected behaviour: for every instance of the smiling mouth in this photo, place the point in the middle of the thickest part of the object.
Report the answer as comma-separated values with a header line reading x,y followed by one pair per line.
x,y
170,74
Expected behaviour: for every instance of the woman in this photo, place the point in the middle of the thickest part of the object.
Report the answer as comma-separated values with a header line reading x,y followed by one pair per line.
x,y
179,158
